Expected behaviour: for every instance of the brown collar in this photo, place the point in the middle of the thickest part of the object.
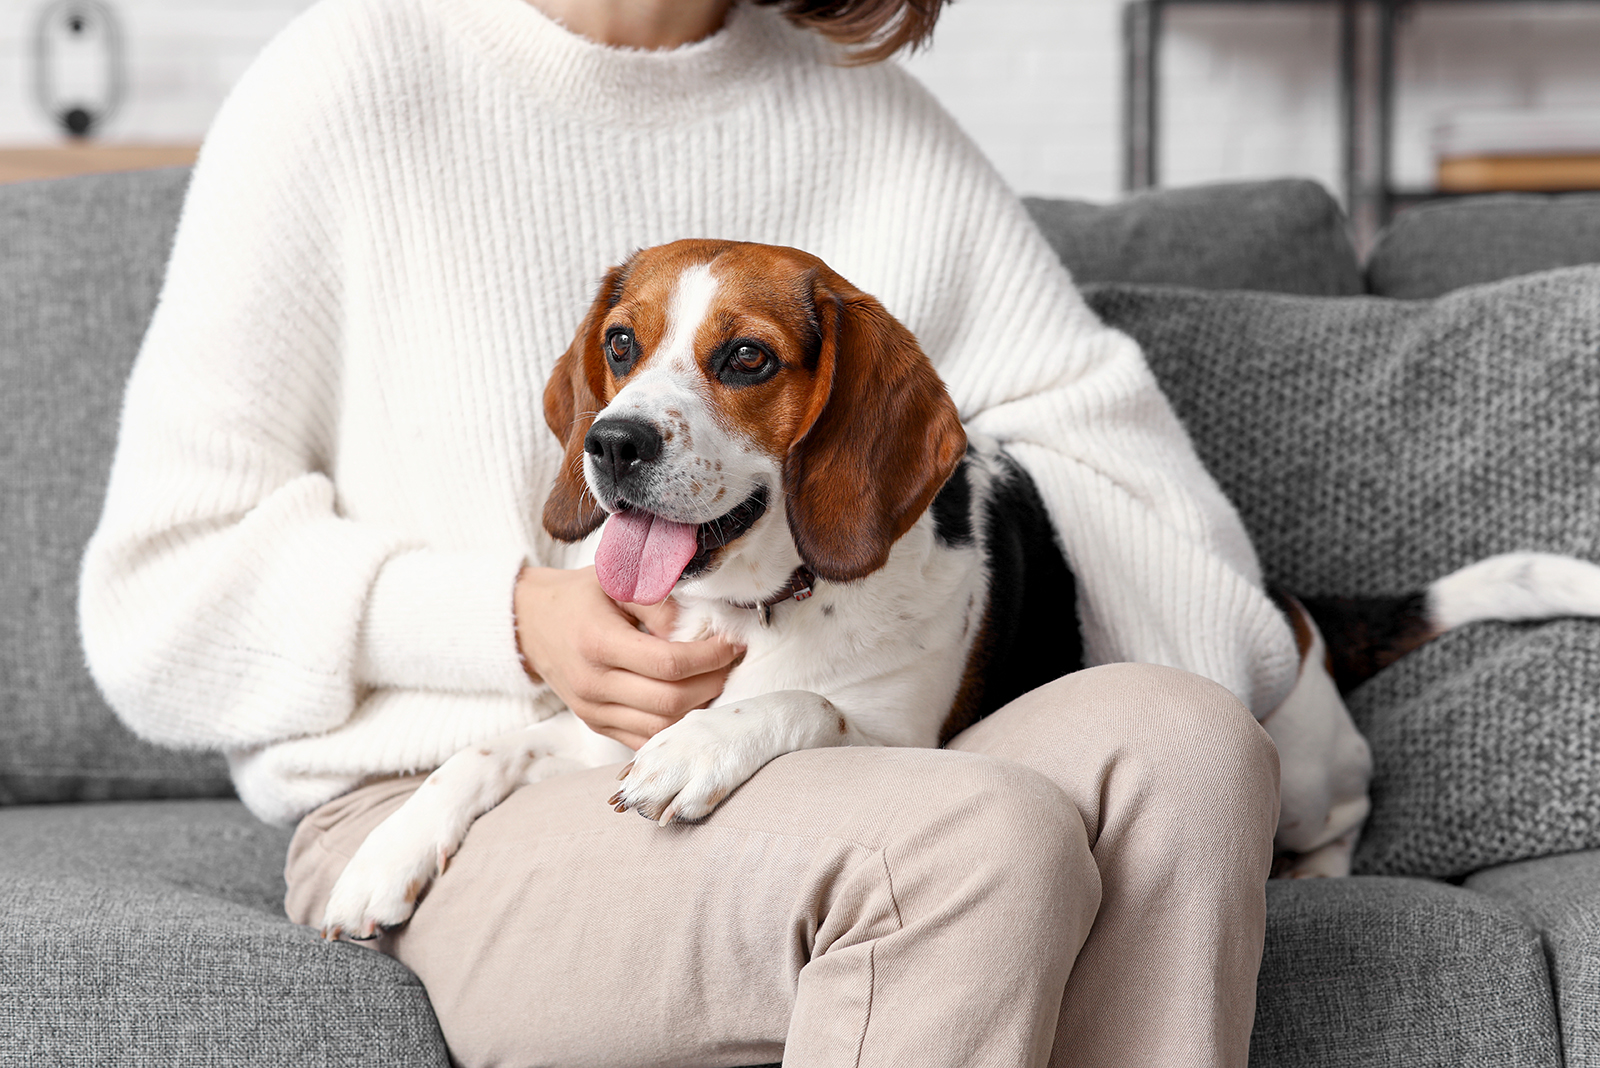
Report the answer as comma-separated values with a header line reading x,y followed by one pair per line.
x,y
797,588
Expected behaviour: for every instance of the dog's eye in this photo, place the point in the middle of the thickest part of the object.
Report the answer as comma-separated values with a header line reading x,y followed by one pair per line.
x,y
749,359
745,363
620,350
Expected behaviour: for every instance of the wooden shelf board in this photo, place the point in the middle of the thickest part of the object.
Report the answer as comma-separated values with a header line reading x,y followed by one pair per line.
x,y
27,164
1533,174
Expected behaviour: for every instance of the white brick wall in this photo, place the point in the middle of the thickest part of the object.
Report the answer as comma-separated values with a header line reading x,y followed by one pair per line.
x,y
1037,83
1250,89
1250,92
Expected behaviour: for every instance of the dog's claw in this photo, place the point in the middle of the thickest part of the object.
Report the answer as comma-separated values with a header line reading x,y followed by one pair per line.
x,y
623,774
616,798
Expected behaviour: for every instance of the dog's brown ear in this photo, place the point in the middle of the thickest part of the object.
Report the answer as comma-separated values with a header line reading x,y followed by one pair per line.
x,y
880,437
571,401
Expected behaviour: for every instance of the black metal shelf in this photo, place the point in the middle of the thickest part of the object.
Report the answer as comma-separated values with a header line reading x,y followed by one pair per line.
x,y
1366,59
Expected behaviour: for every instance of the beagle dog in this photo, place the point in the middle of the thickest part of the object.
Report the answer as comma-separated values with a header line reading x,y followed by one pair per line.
x,y
747,432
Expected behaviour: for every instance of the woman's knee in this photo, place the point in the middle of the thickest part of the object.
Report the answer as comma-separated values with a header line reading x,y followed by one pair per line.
x,y
1167,736
1014,808
986,817
1193,750
986,826
1192,732
1180,715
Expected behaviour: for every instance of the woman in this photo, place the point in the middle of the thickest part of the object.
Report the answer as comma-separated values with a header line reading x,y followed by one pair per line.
x,y
321,554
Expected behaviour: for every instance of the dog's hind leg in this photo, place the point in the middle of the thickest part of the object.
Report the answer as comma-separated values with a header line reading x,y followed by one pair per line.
x,y
1330,861
402,855
1326,765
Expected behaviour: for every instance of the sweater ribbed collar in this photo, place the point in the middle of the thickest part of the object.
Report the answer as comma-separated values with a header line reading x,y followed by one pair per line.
x,y
631,86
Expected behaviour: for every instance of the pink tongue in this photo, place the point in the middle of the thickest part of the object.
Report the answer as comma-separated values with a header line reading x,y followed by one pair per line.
x,y
641,556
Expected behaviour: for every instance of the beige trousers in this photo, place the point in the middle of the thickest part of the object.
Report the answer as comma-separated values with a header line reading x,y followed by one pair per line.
x,y
1076,880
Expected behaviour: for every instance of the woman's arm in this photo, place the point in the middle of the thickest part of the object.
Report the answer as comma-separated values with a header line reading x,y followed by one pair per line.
x,y
227,598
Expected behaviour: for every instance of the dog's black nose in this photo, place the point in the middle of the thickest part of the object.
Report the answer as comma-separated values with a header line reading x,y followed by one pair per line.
x,y
621,446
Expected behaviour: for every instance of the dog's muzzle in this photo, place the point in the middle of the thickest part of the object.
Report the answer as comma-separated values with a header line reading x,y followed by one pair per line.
x,y
620,453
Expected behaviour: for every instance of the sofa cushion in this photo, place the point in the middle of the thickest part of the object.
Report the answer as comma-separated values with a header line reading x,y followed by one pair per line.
x,y
1368,971
80,263
142,933
1372,446
1283,236
1435,248
152,933
1560,897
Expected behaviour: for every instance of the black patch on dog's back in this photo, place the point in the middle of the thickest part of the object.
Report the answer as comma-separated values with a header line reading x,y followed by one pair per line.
x,y
952,508
1364,635
1030,628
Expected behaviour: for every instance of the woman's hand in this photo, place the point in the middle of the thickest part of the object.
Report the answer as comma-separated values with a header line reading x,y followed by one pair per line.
x,y
622,682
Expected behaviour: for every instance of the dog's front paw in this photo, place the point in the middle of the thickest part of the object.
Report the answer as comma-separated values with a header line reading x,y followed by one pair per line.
x,y
687,769
380,886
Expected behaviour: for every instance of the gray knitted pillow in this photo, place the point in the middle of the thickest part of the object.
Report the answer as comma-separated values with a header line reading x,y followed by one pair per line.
x,y
1372,445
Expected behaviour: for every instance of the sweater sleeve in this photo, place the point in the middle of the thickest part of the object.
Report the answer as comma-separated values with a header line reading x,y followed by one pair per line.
x,y
1165,570
225,600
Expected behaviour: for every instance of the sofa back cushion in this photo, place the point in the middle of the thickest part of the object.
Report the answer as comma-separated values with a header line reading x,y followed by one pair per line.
x,y
1433,249
1282,236
1374,445
81,261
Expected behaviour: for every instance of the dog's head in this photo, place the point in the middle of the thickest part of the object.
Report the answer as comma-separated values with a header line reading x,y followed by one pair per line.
x,y
715,386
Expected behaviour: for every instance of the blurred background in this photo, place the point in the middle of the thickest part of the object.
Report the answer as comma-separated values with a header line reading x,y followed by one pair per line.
x,y
1051,89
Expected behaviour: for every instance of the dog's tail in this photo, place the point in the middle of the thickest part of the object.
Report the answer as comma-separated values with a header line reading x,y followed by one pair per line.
x,y
1365,635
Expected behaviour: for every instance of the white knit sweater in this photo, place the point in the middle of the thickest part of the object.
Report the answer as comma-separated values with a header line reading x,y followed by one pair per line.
x,y
333,456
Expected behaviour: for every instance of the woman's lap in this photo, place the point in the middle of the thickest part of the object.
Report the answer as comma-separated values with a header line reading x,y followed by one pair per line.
x,y
563,926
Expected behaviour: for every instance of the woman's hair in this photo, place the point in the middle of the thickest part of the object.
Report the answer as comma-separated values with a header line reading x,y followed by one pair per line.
x,y
875,29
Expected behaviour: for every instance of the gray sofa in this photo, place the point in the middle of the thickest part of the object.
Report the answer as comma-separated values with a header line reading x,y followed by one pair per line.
x,y
1369,441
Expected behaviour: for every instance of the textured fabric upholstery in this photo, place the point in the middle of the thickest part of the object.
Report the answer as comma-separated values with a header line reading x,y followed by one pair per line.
x,y
1435,248
82,261
151,933
1370,971
1285,236
1372,446
145,933
1560,897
